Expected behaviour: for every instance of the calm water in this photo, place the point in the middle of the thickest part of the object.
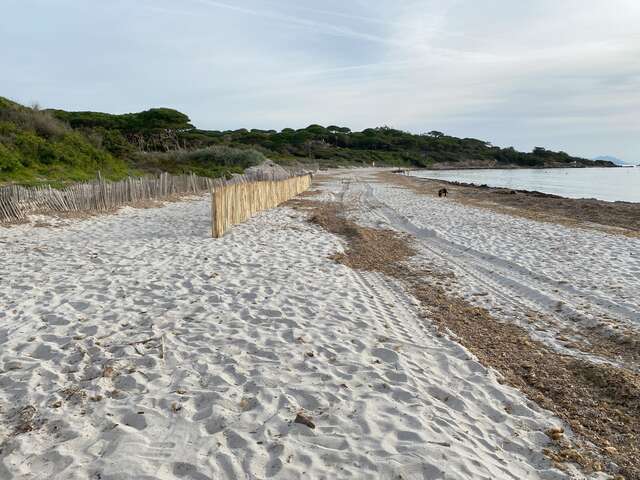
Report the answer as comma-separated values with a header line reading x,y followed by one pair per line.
x,y
611,184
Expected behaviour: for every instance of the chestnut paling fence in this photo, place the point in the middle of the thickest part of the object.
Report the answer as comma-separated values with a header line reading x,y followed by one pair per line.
x,y
233,203
17,202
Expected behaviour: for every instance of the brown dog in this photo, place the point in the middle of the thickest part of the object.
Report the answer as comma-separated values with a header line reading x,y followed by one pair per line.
x,y
442,192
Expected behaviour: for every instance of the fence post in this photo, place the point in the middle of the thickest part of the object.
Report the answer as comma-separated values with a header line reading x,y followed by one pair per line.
x,y
217,212
213,213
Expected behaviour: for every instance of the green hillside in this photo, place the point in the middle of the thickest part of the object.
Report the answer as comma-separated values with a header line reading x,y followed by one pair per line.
x,y
54,145
34,144
37,145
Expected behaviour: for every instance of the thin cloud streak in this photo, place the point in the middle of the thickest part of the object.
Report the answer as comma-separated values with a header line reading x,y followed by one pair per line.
x,y
321,27
334,13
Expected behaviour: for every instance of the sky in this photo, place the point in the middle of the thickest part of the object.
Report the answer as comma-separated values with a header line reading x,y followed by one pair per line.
x,y
563,74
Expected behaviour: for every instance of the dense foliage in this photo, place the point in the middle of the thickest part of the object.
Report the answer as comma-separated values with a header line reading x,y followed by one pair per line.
x,y
386,146
56,144
37,145
34,144
149,120
218,160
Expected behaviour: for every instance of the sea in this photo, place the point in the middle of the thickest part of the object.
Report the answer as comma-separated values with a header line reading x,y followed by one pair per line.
x,y
610,184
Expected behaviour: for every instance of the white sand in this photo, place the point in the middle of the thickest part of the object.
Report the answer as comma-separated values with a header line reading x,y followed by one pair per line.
x,y
568,277
235,337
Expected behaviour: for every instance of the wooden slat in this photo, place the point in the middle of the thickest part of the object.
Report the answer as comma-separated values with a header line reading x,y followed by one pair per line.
x,y
238,200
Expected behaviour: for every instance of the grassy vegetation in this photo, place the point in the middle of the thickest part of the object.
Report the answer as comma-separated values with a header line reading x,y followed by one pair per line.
x,y
58,145
212,161
35,145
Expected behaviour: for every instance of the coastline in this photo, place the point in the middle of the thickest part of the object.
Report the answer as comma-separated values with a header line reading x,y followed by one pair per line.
x,y
484,165
444,166
614,217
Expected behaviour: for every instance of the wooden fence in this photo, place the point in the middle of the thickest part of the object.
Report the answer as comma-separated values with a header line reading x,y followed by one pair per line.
x,y
17,202
233,203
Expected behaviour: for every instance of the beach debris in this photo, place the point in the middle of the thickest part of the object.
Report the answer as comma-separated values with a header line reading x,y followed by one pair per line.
x,y
117,394
441,444
304,420
74,394
247,403
27,420
555,433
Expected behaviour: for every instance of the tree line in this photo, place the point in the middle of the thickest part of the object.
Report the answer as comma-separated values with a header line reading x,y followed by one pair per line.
x,y
37,143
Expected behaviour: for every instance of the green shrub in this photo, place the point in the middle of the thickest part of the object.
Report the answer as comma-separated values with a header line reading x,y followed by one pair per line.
x,y
221,155
9,159
7,129
68,157
30,147
41,122
153,119
212,161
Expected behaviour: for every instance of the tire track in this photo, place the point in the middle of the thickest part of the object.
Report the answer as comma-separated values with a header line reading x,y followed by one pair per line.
x,y
531,287
524,295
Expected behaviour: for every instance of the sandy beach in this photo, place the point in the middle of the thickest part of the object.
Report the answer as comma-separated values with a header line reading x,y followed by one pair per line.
x,y
134,346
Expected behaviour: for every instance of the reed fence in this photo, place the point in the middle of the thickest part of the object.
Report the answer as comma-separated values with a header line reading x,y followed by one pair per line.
x,y
235,202
17,202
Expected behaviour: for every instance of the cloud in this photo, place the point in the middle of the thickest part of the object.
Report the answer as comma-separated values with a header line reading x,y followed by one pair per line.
x,y
560,74
294,21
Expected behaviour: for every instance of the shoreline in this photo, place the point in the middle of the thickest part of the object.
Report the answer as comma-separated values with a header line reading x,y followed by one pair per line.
x,y
437,167
617,217
535,193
